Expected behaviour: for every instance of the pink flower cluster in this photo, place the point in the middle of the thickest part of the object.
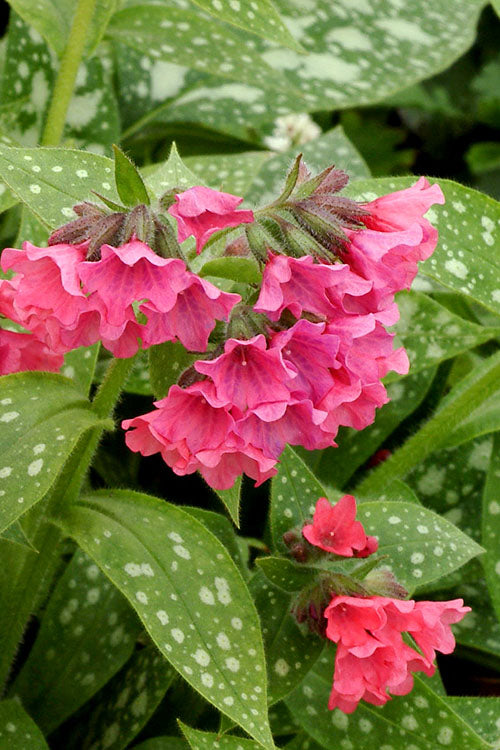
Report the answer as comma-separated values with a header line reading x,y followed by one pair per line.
x,y
67,302
299,385
372,659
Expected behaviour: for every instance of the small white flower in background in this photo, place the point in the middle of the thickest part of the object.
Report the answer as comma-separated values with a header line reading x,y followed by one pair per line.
x,y
292,130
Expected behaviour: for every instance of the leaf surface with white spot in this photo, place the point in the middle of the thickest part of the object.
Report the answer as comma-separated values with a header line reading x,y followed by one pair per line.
x,y
402,723
38,434
491,526
422,546
18,731
195,605
209,741
232,173
87,633
171,174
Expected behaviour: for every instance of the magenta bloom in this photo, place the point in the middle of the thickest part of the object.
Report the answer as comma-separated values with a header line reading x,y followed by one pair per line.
x,y
250,375
24,351
201,211
335,530
372,660
301,285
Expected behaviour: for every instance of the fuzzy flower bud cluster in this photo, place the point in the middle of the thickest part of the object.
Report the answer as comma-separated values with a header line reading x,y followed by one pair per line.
x,y
375,656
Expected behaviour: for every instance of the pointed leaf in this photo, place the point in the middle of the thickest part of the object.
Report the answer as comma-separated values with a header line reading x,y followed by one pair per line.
x,y
210,741
285,574
39,432
129,184
243,270
231,499
184,586
172,173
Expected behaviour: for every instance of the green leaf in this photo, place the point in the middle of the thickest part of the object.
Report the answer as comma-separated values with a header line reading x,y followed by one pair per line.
x,y
258,16
16,535
53,19
92,118
17,730
163,743
42,417
62,178
117,714
172,173
403,723
231,498
469,229
182,583
209,741
129,184
302,741
421,545
294,493
87,633
331,147
483,420
285,574
480,713
243,270
166,363
290,653
232,173
491,526
337,465
430,333
79,365
221,528
144,28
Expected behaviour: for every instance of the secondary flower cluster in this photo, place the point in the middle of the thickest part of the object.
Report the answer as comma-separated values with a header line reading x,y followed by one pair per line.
x,y
373,659
320,358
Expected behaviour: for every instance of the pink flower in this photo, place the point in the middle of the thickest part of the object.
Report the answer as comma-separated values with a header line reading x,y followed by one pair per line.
x,y
396,237
203,440
248,375
335,530
372,659
201,211
301,285
24,351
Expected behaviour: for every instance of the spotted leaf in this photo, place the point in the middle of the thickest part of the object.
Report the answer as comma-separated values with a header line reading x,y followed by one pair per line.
x,y
480,630
209,741
62,178
480,713
188,593
422,546
17,730
232,173
491,525
39,432
87,633
403,723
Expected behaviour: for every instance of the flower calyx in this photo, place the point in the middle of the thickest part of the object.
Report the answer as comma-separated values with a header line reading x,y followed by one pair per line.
x,y
310,603
98,227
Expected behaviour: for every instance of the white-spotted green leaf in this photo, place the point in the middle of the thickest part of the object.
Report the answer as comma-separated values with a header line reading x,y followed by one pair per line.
x,y
209,741
469,230
188,593
332,147
294,493
481,714
166,363
80,364
172,173
491,525
243,270
220,527
92,118
421,545
118,712
53,18
289,652
63,177
42,417
479,632
302,741
166,33
163,743
286,574
431,333
403,723
232,173
18,731
337,465
87,633
258,16
231,499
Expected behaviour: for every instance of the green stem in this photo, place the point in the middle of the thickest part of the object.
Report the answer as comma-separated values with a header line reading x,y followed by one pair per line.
x,y
33,571
65,82
433,435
